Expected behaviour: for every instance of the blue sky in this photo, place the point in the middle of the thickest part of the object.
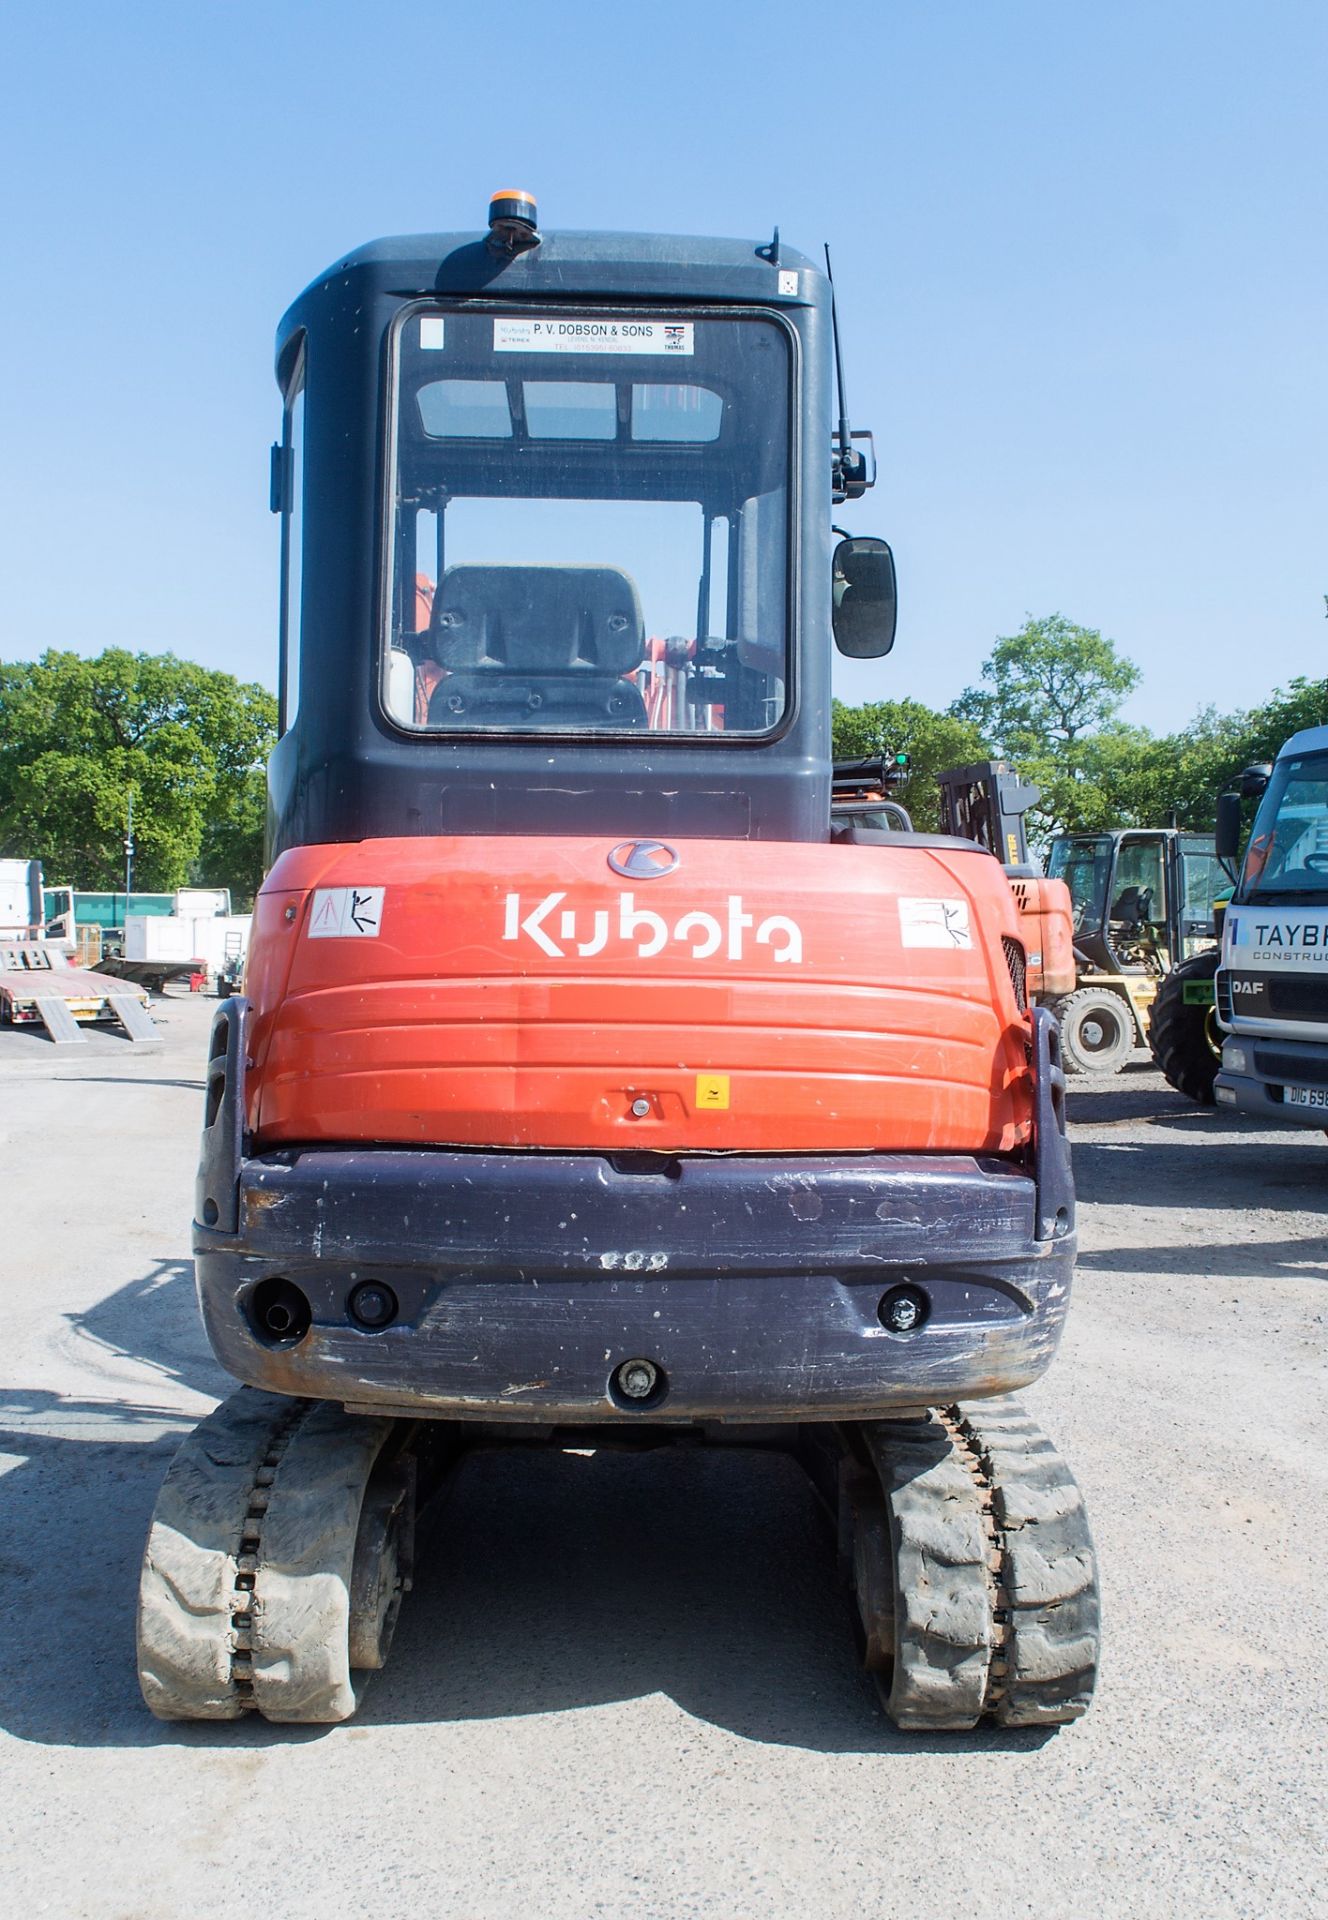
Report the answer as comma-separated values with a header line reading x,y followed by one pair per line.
x,y
1080,256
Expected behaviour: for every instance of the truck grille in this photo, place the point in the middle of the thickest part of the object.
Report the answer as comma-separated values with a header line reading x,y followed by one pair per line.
x,y
1292,1069
1223,986
1288,997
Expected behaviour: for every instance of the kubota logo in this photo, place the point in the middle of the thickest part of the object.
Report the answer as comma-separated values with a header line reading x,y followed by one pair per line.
x,y
642,859
587,931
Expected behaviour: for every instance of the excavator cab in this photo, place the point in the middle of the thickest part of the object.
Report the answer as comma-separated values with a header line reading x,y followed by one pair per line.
x,y
600,535
586,1084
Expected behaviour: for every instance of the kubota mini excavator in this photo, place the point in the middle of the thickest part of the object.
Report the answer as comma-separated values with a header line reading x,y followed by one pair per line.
x,y
585,1084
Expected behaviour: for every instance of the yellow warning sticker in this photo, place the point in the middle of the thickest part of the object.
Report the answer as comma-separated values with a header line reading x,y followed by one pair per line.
x,y
712,1090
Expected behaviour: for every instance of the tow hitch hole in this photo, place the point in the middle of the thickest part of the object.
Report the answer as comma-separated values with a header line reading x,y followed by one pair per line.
x,y
638,1385
279,1312
662,1165
903,1310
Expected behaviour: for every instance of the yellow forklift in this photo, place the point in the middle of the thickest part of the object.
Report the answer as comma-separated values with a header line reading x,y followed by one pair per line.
x,y
1143,903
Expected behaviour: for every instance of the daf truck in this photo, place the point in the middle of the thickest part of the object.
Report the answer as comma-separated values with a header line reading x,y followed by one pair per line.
x,y
1272,984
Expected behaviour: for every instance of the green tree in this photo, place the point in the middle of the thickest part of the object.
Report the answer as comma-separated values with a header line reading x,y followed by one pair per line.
x,y
1130,777
1303,704
1048,692
77,737
932,741
231,854
1133,778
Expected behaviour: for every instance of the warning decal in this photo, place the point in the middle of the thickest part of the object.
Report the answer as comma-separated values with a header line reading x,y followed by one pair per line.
x,y
712,1090
934,923
346,913
669,338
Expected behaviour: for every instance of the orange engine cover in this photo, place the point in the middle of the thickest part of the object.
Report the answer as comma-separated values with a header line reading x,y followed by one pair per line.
x,y
1046,926
521,993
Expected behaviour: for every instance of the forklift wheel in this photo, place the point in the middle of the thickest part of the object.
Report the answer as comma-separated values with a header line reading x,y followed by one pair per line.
x,y
1097,1031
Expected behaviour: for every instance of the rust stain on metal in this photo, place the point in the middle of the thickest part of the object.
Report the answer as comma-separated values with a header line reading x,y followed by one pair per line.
x,y
260,1200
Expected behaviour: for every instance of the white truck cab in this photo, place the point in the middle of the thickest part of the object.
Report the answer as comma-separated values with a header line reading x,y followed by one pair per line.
x,y
1272,985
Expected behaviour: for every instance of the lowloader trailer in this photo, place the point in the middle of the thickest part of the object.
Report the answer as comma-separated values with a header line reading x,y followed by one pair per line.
x,y
587,1086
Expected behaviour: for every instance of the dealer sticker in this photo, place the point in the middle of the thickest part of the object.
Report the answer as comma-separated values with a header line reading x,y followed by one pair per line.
x,y
934,923
668,338
346,913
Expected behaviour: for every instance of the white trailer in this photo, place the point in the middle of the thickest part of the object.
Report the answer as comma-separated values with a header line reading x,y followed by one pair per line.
x,y
214,940
20,899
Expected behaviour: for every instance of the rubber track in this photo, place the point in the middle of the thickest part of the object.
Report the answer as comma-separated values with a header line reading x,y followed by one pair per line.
x,y
1046,1570
300,1635
188,1595
244,1601
995,1596
943,1598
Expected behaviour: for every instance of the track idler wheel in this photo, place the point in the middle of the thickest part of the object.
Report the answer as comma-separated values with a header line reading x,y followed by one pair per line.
x,y
278,1553
973,1571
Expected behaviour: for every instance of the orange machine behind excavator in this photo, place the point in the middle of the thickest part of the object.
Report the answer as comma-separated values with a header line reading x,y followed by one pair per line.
x,y
985,803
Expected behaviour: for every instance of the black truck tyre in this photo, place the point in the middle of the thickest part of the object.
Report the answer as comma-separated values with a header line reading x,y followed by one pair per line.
x,y
1183,1033
1097,1030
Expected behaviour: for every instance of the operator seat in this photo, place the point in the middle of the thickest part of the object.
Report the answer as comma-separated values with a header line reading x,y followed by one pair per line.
x,y
1134,906
528,646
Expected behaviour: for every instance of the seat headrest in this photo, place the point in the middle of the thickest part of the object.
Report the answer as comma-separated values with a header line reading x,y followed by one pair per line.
x,y
537,620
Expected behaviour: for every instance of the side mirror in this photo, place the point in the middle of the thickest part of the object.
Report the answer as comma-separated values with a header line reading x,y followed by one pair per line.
x,y
1254,779
865,605
1228,827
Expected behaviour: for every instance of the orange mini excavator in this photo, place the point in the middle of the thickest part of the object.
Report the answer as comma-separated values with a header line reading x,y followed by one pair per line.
x,y
589,1085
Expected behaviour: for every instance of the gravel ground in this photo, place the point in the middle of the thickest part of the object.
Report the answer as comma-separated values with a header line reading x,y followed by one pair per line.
x,y
627,1685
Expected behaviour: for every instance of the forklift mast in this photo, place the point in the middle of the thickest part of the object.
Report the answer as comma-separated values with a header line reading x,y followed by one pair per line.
x,y
986,802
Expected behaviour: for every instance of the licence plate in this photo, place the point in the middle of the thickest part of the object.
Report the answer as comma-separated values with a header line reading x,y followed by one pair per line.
x,y
1307,1097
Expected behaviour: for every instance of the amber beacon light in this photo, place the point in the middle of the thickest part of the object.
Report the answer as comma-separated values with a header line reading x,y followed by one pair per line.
x,y
512,222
